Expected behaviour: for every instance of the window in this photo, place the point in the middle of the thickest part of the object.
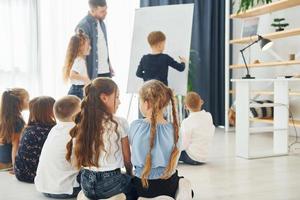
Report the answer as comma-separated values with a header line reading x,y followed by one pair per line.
x,y
18,39
34,40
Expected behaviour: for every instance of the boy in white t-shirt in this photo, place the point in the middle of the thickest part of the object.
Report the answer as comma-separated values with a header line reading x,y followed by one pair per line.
x,y
55,176
197,130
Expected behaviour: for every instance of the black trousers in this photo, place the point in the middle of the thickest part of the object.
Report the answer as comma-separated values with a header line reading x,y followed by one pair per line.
x,y
184,157
157,187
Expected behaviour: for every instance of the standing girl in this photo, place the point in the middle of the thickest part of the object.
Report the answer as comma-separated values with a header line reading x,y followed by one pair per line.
x,y
75,67
154,143
100,142
13,102
41,120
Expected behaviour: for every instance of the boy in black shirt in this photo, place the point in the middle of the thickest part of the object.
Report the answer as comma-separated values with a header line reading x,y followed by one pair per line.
x,y
156,64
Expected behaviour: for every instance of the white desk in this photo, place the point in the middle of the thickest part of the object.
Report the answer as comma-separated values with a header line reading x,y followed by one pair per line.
x,y
280,128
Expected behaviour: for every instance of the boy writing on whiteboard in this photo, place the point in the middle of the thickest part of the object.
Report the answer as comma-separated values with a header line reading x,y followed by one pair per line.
x,y
156,64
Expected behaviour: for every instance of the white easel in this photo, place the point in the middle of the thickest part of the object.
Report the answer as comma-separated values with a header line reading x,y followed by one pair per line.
x,y
130,104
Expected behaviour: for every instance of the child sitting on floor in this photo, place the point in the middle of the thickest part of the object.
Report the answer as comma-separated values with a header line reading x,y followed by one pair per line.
x,y
41,120
155,145
99,143
13,102
55,176
198,130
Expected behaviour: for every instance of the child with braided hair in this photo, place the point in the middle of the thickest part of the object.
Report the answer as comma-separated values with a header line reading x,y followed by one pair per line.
x,y
155,143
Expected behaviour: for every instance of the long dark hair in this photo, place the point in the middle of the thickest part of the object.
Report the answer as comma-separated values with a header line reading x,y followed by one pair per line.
x,y
90,124
12,104
41,111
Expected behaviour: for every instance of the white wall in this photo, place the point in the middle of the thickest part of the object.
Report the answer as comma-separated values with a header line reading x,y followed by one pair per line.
x,y
279,51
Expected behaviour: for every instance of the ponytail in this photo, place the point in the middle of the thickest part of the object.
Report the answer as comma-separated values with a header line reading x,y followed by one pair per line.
x,y
91,124
175,152
74,131
75,48
148,164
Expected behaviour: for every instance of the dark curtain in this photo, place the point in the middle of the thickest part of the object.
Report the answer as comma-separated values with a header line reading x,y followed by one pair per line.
x,y
207,68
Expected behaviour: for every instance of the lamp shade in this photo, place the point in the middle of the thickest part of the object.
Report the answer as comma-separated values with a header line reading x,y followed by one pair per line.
x,y
265,44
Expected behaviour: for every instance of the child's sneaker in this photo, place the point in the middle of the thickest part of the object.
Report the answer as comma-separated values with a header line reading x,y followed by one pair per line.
x,y
118,197
184,191
121,196
81,196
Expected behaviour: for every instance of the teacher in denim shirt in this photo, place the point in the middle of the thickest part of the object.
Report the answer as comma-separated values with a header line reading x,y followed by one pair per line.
x,y
98,64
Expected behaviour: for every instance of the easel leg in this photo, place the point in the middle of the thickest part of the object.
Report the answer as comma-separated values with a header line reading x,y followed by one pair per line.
x,y
129,108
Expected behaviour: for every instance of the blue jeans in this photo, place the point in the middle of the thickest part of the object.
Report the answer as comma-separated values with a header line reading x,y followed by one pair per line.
x,y
76,90
184,157
5,153
103,185
106,75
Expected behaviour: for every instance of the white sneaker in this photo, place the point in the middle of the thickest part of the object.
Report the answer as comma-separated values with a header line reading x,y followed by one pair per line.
x,y
120,196
81,196
157,198
184,191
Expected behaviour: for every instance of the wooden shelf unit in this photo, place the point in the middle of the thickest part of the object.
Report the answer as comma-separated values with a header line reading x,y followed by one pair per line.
x,y
271,36
266,64
268,8
257,11
270,121
262,92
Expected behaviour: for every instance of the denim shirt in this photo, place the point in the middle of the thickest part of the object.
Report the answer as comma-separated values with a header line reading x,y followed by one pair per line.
x,y
89,26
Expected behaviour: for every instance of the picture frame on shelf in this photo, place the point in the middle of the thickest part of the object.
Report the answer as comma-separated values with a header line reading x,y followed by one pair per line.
x,y
250,27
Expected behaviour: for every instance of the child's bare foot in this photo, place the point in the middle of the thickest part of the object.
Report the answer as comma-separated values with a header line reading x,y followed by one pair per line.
x,y
6,167
11,171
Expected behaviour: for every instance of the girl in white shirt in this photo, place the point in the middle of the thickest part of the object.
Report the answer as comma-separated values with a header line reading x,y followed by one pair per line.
x,y
99,143
75,68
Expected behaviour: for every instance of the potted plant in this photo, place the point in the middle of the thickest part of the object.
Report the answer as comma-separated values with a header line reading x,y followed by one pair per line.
x,y
247,4
277,22
194,56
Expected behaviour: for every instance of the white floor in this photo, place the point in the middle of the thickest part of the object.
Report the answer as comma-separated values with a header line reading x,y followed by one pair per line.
x,y
224,177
